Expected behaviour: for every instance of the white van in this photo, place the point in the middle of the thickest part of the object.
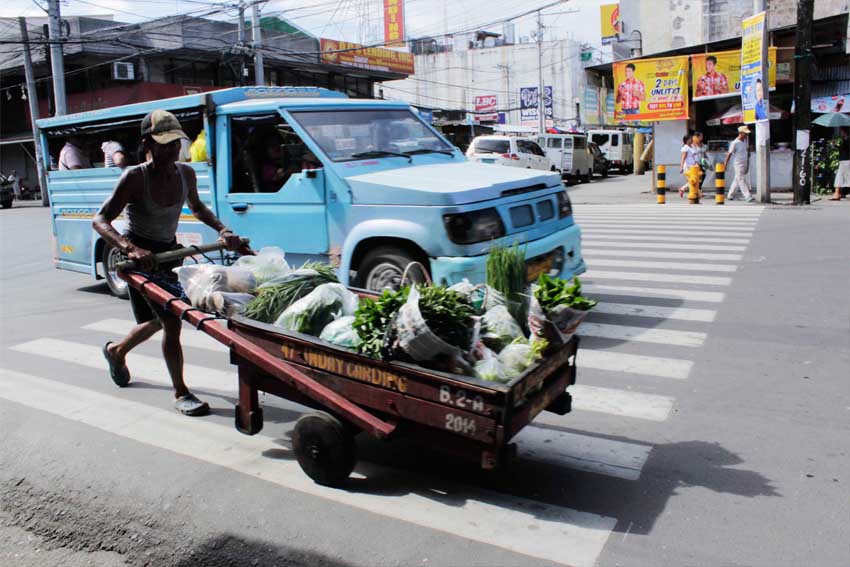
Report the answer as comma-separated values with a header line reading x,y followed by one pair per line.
x,y
570,154
510,151
617,145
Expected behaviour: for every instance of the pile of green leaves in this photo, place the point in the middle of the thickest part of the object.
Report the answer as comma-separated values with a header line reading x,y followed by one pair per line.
x,y
552,292
372,320
273,299
507,273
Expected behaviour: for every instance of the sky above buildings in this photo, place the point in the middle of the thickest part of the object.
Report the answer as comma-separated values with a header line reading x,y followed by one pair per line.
x,y
355,20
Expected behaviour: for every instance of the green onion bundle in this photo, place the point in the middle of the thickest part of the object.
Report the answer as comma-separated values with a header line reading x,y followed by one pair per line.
x,y
274,297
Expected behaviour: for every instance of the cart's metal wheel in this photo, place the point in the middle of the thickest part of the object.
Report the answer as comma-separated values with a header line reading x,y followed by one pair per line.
x,y
324,447
117,286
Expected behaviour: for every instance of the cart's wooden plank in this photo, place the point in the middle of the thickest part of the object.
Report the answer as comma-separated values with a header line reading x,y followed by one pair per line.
x,y
537,403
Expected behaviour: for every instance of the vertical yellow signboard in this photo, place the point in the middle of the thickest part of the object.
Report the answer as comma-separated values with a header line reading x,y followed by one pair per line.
x,y
753,88
610,15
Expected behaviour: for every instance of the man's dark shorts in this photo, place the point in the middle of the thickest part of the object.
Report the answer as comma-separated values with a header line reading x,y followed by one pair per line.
x,y
145,310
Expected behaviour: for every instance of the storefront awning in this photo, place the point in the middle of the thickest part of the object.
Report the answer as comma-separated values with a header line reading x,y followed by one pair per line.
x,y
735,115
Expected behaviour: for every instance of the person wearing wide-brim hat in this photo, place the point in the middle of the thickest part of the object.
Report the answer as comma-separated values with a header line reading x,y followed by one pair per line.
x,y
739,153
153,194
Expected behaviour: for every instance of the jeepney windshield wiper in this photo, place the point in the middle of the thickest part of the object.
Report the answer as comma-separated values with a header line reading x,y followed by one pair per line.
x,y
379,153
429,151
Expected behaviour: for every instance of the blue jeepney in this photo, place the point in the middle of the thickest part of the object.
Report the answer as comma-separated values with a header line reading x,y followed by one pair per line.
x,y
366,185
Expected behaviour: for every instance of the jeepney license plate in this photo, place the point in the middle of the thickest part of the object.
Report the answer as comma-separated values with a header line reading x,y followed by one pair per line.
x,y
538,266
488,161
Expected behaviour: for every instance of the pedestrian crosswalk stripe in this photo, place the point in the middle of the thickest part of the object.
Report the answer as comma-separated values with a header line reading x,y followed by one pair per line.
x,y
692,339
579,218
610,361
662,293
589,252
673,265
623,403
582,452
677,233
520,525
699,209
142,367
655,311
620,244
650,277
120,327
685,225
732,242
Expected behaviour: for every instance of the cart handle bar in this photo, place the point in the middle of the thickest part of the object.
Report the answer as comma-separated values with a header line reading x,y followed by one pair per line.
x,y
282,370
181,253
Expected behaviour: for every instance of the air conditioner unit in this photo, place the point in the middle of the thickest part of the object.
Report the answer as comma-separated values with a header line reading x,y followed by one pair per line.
x,y
123,71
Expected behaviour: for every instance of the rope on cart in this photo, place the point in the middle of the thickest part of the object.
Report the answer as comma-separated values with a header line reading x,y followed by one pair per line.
x,y
198,250
205,319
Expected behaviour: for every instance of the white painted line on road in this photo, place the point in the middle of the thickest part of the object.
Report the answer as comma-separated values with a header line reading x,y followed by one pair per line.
x,y
665,293
685,225
687,266
691,339
642,217
621,402
692,235
582,452
142,367
589,252
529,527
655,311
698,209
596,275
188,337
663,239
674,368
662,244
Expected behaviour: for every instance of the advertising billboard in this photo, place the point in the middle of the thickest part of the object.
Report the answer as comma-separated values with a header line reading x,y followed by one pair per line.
x,y
651,89
718,75
528,105
486,108
754,99
349,54
394,23
610,19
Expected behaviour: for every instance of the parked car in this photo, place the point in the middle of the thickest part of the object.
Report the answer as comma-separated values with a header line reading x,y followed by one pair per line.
x,y
569,154
617,147
510,151
370,188
601,165
7,193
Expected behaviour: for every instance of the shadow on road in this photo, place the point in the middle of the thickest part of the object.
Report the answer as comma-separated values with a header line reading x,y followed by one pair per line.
x,y
228,550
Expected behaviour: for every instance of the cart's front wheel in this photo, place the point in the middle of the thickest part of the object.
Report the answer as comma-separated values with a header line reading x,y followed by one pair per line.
x,y
324,448
117,286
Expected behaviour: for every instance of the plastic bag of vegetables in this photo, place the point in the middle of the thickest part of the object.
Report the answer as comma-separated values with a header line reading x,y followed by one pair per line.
x,y
270,262
275,295
482,297
499,328
341,333
229,304
434,327
490,368
516,357
557,309
200,281
314,311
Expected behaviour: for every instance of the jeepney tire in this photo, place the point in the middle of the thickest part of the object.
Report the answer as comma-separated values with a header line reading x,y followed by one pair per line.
x,y
605,172
6,204
117,287
586,178
392,261
325,448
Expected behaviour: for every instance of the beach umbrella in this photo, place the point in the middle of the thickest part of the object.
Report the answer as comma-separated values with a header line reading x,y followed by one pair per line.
x,y
832,120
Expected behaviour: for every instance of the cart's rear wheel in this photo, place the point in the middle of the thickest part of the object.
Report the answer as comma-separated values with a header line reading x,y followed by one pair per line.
x,y
117,286
324,447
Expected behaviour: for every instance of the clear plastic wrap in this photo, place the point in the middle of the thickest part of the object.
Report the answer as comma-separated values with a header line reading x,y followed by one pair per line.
x,y
490,368
230,304
482,297
314,311
341,332
516,357
201,281
269,263
499,328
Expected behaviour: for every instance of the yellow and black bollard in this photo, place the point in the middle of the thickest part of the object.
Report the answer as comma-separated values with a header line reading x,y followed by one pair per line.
x,y
720,183
693,175
661,189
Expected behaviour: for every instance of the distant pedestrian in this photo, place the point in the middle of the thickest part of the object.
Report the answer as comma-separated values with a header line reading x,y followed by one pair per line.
x,y
114,154
699,148
739,154
16,183
842,176
686,163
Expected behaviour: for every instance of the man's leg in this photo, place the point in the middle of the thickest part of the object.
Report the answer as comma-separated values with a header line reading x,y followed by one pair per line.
x,y
172,351
730,193
137,335
744,176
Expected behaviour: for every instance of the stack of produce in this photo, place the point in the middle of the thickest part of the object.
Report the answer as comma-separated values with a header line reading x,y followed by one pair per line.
x,y
279,292
557,308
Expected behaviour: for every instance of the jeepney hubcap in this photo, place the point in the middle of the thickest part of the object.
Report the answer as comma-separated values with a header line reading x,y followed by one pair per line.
x,y
113,258
384,276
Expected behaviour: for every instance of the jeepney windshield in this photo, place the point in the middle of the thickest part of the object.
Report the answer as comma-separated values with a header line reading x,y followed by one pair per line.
x,y
357,134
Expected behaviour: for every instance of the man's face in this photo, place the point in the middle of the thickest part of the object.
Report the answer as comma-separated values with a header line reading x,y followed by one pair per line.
x,y
709,66
164,153
630,73
759,92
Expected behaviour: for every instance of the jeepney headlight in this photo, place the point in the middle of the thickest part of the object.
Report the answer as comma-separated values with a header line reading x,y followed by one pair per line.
x,y
475,226
565,208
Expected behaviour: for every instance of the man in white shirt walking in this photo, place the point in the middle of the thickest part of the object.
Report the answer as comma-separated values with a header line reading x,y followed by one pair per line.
x,y
739,152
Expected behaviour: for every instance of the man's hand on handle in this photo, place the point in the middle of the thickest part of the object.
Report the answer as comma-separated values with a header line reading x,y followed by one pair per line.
x,y
233,242
144,259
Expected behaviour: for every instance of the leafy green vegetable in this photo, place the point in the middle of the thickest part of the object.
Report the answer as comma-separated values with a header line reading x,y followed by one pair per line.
x,y
552,292
274,297
372,320
507,273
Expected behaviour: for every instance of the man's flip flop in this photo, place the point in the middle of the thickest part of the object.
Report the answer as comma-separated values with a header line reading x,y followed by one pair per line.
x,y
191,406
119,374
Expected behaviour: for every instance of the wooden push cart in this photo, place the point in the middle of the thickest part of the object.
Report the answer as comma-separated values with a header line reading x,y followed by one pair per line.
x,y
467,417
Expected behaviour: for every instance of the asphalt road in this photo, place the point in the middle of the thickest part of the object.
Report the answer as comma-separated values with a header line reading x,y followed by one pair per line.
x,y
710,424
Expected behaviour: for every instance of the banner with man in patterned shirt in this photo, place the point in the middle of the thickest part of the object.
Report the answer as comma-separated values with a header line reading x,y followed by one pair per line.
x,y
718,75
651,89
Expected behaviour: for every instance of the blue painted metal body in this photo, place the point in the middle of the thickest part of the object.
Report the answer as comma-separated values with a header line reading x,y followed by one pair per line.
x,y
333,212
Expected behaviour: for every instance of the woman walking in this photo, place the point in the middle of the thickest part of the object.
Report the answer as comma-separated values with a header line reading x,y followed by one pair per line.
x,y
687,162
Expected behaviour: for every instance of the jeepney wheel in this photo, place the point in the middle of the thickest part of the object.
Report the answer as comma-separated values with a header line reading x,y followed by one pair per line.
x,y
6,204
117,286
324,447
383,268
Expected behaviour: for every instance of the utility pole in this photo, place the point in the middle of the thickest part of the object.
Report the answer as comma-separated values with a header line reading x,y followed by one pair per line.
x,y
541,103
257,41
803,102
32,99
56,62
763,127
243,65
